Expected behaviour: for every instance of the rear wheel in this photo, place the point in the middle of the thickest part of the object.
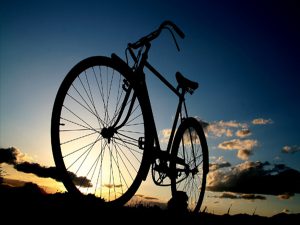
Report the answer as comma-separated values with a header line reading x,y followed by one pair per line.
x,y
189,163
98,131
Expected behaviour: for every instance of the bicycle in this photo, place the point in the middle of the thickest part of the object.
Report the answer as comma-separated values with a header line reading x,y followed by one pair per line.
x,y
103,134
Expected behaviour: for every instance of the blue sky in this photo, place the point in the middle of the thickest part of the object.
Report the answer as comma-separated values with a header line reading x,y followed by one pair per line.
x,y
244,54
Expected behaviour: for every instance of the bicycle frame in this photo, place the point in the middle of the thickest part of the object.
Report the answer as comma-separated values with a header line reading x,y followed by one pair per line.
x,y
104,137
138,72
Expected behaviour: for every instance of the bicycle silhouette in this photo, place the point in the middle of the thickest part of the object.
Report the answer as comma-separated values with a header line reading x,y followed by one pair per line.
x,y
104,137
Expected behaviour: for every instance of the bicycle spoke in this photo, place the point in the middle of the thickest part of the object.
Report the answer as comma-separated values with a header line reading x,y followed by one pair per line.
x,y
79,118
135,124
130,150
126,142
100,90
88,108
80,125
120,173
101,165
138,116
74,130
118,100
76,139
96,97
88,150
125,165
123,143
79,149
90,111
133,132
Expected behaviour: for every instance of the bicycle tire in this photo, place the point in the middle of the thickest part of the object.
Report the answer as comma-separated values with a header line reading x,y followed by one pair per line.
x,y
189,138
112,170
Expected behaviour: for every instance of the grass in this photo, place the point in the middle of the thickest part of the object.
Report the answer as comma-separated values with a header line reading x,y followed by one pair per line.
x,y
30,204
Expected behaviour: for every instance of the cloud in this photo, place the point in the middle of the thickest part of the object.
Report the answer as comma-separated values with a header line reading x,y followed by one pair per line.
x,y
244,147
255,178
150,198
253,197
140,199
12,156
238,144
223,128
19,160
38,170
165,135
216,166
261,121
145,197
113,185
231,123
285,210
231,195
139,195
8,155
290,149
244,154
203,123
243,133
285,196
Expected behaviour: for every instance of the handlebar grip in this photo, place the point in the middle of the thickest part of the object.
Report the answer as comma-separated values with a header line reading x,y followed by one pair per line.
x,y
174,26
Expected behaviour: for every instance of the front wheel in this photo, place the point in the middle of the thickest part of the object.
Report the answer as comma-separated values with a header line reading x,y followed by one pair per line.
x,y
98,131
189,163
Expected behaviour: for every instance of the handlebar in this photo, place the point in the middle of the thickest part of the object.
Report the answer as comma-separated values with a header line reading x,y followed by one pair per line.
x,y
174,26
165,25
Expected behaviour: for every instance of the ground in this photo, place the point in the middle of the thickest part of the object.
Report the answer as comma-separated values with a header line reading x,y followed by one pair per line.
x,y
30,204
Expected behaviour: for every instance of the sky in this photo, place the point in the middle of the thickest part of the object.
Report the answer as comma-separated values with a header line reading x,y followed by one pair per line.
x,y
244,54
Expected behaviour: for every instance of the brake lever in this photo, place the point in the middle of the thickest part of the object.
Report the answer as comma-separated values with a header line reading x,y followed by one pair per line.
x,y
174,38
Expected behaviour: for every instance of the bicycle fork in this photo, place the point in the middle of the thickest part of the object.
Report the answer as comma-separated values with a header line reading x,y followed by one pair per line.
x,y
108,132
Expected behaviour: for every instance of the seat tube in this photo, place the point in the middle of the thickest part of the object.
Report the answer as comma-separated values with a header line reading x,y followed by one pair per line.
x,y
179,107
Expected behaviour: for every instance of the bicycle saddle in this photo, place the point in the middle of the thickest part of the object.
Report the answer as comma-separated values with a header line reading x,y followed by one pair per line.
x,y
185,83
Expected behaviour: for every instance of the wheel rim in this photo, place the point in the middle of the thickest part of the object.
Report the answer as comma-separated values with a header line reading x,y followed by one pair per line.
x,y
99,161
191,176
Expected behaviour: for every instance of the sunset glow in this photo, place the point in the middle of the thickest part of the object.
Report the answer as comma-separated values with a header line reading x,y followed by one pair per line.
x,y
243,54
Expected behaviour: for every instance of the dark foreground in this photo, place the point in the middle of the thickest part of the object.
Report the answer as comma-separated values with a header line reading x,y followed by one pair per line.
x,y
30,205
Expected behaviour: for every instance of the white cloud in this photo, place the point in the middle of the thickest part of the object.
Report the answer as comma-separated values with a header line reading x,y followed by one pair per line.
x,y
224,128
244,154
165,135
188,136
244,147
261,121
238,144
290,149
243,133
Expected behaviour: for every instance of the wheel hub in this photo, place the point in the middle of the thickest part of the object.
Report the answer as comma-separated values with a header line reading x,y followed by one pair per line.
x,y
108,133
